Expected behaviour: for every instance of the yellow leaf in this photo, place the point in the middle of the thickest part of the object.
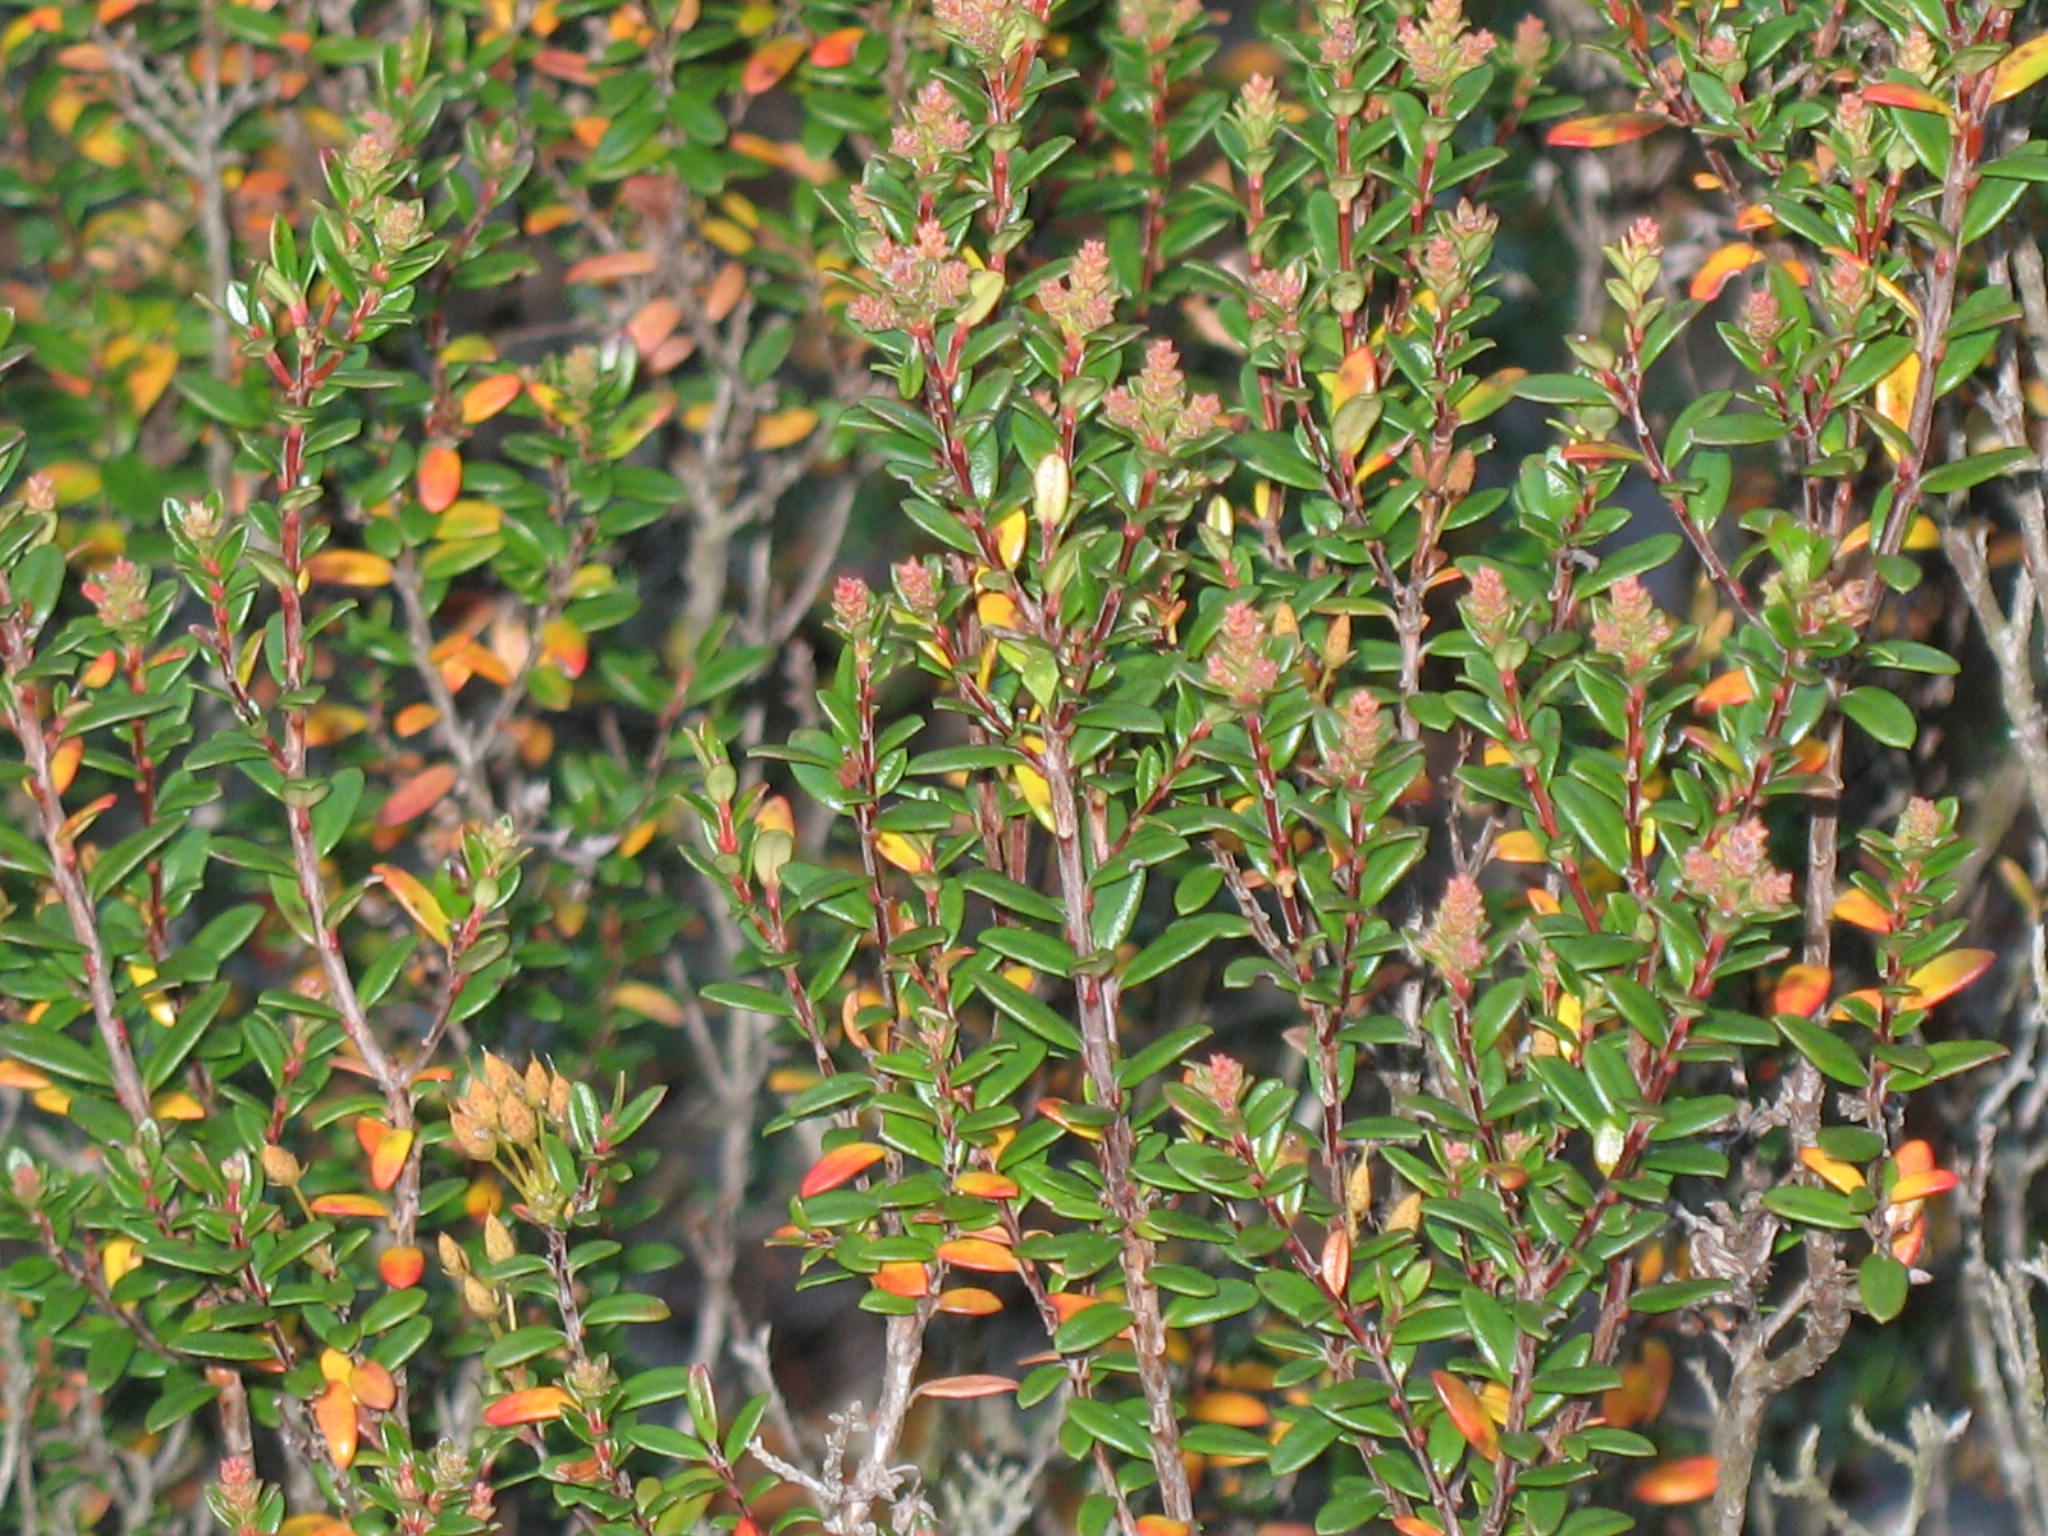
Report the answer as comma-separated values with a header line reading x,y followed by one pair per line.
x,y
1858,908
335,1413
2025,66
1713,275
420,904
1010,533
1518,847
350,1205
119,1257
649,1002
177,1105
1940,979
1239,1410
1467,1413
978,1253
912,855
1846,1177
1894,395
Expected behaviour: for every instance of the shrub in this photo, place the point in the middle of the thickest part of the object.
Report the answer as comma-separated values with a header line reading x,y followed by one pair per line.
x,y
1362,889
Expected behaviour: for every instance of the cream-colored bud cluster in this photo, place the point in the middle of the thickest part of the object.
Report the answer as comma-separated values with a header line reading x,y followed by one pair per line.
x,y
503,1108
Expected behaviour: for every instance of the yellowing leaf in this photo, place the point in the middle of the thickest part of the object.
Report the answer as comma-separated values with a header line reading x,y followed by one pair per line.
x,y
566,645
839,1166
1894,395
1010,533
64,762
1858,908
177,1105
1467,1413
1941,979
1605,129
402,1267
485,398
419,902
1727,689
119,1258
19,1074
1902,93
414,718
1845,1177
649,1002
349,568
1518,847
912,855
370,1383
388,1161
2025,66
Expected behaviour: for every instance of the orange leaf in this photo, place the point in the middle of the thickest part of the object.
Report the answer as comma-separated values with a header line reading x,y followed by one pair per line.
x,y
1066,1304
785,429
1914,1156
19,1074
1895,393
335,1412
1644,1385
1159,1525
414,718
1801,989
839,1165
485,398
417,795
835,50
388,1161
561,64
1900,93
655,322
611,266
1467,1413
1860,909
903,1277
1336,1264
64,762
979,1253
1679,1482
350,1205
1359,372
412,894
373,1387
986,1186
771,61
1713,275
966,1386
370,1134
1239,1410
1943,978
1604,129
1729,688
401,1267
1920,1186
440,478
1415,1525
533,1405
967,1300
